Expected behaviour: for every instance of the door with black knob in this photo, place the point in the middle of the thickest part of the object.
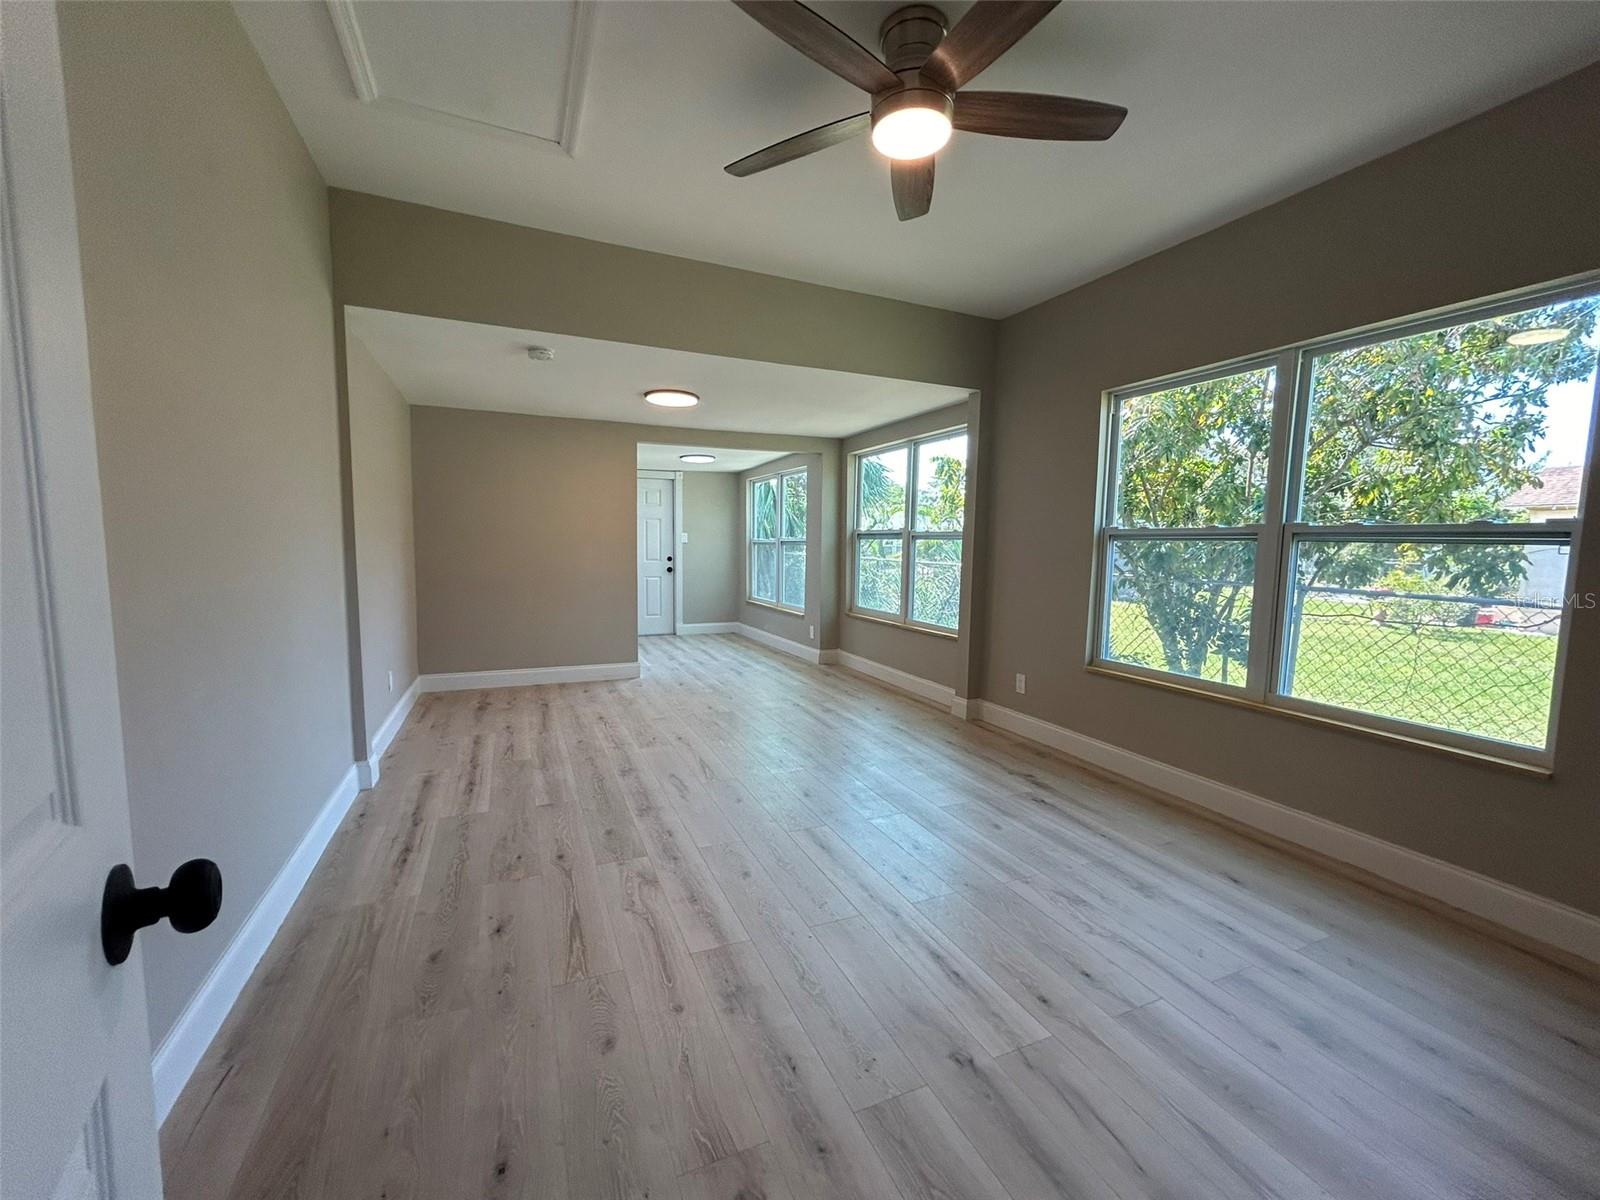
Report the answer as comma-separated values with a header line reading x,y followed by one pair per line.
x,y
657,545
77,1115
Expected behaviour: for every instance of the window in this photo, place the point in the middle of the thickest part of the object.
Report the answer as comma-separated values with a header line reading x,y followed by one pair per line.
x,y
910,504
1376,528
778,540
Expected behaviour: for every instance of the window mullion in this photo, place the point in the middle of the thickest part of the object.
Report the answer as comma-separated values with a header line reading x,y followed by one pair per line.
x,y
1270,545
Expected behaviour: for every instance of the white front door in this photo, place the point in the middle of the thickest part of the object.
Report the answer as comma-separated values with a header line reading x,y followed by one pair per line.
x,y
657,552
77,1118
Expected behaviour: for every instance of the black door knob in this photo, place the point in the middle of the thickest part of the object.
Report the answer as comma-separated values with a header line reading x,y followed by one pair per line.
x,y
190,901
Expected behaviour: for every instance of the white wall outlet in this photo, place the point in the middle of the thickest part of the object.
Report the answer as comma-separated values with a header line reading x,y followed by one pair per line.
x,y
813,629
683,538
1022,684
391,681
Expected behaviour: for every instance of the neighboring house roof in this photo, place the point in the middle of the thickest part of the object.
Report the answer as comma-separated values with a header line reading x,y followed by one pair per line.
x,y
1557,488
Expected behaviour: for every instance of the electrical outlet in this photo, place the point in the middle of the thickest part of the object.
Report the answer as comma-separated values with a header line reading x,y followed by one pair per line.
x,y
813,629
1022,684
391,681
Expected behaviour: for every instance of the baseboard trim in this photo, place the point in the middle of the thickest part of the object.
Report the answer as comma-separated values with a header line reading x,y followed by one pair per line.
x,y
1534,916
462,681
186,1043
704,627
923,689
800,650
368,770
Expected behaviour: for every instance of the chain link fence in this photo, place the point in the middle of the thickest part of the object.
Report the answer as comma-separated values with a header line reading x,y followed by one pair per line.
x,y
1482,665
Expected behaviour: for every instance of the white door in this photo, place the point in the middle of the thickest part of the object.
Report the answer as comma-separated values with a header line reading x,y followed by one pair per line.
x,y
657,550
77,1118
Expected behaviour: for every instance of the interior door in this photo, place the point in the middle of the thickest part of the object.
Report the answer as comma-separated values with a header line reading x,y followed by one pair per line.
x,y
657,550
77,1116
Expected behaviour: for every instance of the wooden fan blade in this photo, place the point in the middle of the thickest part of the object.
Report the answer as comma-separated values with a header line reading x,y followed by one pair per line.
x,y
801,144
990,28
823,42
912,181
1029,115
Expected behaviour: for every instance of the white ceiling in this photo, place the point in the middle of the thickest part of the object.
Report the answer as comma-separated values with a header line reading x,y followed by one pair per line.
x,y
653,457
458,364
1232,105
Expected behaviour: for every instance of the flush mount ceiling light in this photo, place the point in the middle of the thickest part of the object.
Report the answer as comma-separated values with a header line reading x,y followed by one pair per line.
x,y
1539,337
541,353
671,398
697,458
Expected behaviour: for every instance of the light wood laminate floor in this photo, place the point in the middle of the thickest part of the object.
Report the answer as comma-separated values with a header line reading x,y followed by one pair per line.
x,y
751,928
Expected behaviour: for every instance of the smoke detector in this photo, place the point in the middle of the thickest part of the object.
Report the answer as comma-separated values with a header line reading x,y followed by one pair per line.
x,y
541,353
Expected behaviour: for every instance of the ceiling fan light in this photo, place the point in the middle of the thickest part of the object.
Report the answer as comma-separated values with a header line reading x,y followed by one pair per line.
x,y
697,458
911,132
671,398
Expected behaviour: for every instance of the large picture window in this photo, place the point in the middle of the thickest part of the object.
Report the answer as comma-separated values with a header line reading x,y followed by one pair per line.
x,y
778,540
1376,529
910,504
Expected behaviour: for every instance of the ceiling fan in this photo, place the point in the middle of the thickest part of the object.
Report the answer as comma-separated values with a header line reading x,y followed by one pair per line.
x,y
915,89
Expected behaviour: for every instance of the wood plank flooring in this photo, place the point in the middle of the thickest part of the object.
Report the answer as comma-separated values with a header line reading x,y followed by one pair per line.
x,y
750,928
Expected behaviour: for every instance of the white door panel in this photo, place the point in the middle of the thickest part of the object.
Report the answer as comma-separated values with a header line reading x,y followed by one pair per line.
x,y
657,538
74,1047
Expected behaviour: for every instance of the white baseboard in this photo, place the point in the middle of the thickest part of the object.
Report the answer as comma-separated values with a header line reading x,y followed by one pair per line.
x,y
708,627
181,1050
799,649
1544,920
960,707
368,770
461,681
924,689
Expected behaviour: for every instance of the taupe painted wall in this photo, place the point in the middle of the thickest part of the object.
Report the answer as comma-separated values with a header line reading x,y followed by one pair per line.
x,y
916,651
525,536
410,258
385,560
207,277
1503,201
710,562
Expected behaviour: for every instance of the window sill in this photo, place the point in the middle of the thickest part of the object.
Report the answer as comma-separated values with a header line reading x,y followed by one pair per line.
x,y
894,623
782,608
1483,757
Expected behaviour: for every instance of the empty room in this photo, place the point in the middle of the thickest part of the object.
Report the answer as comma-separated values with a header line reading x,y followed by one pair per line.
x,y
748,600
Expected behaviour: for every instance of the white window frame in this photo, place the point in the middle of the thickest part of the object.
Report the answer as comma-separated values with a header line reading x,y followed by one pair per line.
x,y
908,535
1280,530
778,540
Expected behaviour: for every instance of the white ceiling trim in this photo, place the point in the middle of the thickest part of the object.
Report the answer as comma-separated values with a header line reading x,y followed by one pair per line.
x,y
347,28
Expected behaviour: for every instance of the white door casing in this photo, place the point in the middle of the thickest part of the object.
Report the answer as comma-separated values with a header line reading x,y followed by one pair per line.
x,y
658,551
77,1116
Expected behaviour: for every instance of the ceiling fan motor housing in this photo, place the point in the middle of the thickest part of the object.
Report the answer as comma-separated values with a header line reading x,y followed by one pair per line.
x,y
908,36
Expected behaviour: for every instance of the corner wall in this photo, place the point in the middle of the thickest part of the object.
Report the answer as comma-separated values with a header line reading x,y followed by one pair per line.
x,y
385,555
1503,201
208,285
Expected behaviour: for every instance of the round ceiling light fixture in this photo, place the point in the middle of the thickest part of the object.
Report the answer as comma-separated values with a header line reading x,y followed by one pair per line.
x,y
697,458
1542,336
671,398
541,353
912,123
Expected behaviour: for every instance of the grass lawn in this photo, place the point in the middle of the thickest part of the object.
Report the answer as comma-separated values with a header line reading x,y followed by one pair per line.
x,y
1490,682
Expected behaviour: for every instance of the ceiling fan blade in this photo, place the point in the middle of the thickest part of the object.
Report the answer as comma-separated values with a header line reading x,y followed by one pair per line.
x,y
990,28
1028,115
912,180
821,41
801,144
